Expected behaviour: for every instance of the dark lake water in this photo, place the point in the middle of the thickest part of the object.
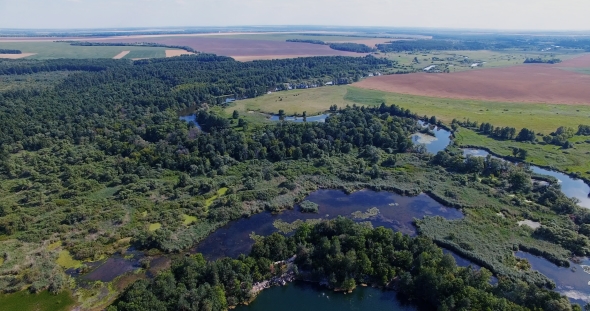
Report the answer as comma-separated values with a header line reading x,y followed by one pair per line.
x,y
572,282
440,141
571,187
395,211
300,296
318,118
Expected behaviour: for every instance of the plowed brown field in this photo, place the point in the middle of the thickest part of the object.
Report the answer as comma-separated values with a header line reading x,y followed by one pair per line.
x,y
532,83
242,48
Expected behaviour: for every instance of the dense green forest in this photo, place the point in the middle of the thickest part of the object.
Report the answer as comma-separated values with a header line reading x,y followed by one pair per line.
x,y
319,42
351,47
100,161
540,60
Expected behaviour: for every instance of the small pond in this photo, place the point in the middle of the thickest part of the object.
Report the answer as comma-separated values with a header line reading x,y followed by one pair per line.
x,y
109,269
192,118
299,296
395,211
318,118
572,282
571,187
436,143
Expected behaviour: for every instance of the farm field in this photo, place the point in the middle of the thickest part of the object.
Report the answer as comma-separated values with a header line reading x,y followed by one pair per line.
x,y
541,118
532,83
243,49
49,50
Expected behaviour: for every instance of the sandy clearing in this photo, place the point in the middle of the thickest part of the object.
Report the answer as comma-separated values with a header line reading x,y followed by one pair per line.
x,y
173,53
16,56
529,223
534,83
121,55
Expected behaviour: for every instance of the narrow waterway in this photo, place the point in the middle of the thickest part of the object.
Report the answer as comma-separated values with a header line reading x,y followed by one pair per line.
x,y
572,282
571,187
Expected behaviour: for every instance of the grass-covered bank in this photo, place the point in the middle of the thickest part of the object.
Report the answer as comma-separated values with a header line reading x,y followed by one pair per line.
x,y
44,301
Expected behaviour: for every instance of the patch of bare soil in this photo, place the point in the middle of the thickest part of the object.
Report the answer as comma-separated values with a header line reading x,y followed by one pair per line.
x,y
16,56
531,83
173,53
121,55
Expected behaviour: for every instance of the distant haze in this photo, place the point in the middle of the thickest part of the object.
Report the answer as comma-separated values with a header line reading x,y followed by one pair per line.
x,y
483,14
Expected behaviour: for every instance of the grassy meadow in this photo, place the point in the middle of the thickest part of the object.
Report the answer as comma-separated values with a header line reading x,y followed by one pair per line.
x,y
44,301
565,160
462,60
542,118
49,50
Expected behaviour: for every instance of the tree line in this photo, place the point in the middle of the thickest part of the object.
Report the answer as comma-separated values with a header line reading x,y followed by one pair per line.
x,y
347,47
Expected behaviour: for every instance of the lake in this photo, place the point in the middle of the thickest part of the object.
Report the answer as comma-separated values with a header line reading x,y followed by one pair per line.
x,y
571,187
572,282
192,118
395,211
298,296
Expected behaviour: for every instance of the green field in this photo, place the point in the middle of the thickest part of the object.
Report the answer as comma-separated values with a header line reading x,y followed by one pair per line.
x,y
24,301
48,50
565,160
542,118
462,60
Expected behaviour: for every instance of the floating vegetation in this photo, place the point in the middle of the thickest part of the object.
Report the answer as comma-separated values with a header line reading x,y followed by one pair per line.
x,y
393,204
219,193
155,226
372,212
66,260
187,219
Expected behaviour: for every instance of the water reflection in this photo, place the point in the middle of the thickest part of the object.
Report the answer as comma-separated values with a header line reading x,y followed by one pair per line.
x,y
192,118
318,118
572,282
571,187
396,212
436,143
299,296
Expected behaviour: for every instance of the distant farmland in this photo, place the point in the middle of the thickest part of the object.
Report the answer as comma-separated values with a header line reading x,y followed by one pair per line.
x,y
242,49
535,83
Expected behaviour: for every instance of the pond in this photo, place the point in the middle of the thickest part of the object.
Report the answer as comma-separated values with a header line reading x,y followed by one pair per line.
x,y
395,211
436,143
571,187
109,269
572,282
299,296
192,118
318,118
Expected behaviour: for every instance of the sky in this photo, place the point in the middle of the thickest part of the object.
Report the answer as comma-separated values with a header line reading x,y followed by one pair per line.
x,y
473,14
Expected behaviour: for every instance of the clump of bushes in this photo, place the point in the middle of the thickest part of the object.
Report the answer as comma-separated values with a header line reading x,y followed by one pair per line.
x,y
309,207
